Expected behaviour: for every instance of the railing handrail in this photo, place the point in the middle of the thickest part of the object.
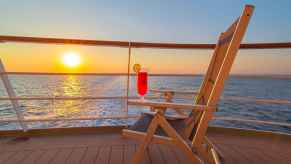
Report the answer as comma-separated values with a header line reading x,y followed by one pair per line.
x,y
124,44
122,116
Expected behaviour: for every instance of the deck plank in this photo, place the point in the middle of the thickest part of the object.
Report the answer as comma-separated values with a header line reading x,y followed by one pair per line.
x,y
229,157
271,158
33,157
261,156
19,157
4,156
129,151
155,155
76,156
240,156
282,155
47,156
91,155
62,156
181,157
146,159
104,155
116,156
168,155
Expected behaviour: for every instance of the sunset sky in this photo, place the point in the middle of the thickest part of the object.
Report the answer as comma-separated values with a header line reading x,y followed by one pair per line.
x,y
148,21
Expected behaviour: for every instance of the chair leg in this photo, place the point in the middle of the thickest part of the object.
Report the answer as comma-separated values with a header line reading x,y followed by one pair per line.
x,y
148,151
202,151
138,156
218,151
205,150
179,141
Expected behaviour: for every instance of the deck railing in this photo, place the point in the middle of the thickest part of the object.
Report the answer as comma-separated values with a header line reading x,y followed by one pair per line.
x,y
129,45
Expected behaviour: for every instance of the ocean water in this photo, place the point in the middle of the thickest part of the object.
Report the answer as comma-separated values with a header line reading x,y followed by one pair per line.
x,y
49,86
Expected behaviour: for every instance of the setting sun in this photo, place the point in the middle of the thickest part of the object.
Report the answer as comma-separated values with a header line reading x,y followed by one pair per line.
x,y
71,59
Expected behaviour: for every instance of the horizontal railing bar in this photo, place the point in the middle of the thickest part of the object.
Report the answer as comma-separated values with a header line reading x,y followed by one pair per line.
x,y
43,40
74,98
72,119
227,98
256,100
252,121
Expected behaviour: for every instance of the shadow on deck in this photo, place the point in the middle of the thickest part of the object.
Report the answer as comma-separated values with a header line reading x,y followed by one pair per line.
x,y
110,148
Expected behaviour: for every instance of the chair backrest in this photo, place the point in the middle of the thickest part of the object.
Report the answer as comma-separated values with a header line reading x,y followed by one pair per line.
x,y
217,72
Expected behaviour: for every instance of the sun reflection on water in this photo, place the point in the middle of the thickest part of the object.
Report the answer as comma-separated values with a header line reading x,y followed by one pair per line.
x,y
70,87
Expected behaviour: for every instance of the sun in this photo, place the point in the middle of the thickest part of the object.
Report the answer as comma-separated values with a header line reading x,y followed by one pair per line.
x,y
71,59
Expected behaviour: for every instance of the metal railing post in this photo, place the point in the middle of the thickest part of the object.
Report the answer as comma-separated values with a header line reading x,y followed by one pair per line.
x,y
12,95
128,77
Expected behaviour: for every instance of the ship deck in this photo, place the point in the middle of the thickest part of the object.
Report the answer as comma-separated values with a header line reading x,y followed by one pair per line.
x,y
70,146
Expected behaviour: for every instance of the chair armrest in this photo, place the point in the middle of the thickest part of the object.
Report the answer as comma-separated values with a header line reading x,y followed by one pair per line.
x,y
169,94
174,92
165,105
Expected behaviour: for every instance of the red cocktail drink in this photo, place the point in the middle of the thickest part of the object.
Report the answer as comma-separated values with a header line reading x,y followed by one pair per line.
x,y
142,82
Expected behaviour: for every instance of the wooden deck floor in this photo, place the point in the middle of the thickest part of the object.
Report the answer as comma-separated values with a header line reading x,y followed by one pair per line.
x,y
112,149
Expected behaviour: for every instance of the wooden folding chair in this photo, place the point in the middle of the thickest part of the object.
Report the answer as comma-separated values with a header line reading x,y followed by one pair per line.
x,y
189,134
